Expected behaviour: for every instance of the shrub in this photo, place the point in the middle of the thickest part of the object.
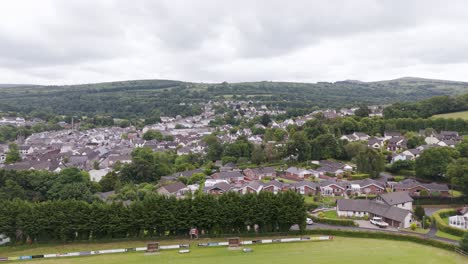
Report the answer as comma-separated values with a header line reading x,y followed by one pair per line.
x,y
424,193
413,226
464,242
442,226
419,212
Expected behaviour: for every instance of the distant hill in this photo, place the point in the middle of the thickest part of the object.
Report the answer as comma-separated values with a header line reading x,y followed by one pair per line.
x,y
10,85
139,98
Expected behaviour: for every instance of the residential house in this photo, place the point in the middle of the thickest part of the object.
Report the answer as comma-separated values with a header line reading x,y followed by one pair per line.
x,y
365,186
396,143
299,174
333,167
260,173
391,134
394,216
414,188
274,186
356,136
230,176
375,143
218,188
251,187
25,150
396,199
173,189
306,187
332,188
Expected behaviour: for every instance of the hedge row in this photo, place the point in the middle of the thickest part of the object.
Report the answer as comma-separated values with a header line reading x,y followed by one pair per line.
x,y
359,176
426,200
382,235
330,221
442,226
350,233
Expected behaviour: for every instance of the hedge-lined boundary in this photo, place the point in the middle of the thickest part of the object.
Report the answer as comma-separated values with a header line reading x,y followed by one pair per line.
x,y
442,226
330,221
382,235
428,200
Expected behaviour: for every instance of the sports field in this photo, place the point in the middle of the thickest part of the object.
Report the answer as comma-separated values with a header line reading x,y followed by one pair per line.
x,y
462,115
340,250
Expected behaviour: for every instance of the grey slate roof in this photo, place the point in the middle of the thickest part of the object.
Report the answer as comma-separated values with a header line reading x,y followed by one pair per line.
x,y
394,198
390,212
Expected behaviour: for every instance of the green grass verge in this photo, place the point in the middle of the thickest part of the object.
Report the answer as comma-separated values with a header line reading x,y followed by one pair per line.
x,y
417,230
446,235
340,250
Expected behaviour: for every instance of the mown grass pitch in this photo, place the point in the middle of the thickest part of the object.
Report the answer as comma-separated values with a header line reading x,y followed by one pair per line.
x,y
340,250
462,115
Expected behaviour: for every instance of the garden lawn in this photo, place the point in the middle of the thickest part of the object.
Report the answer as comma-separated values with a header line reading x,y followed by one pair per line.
x,y
446,235
340,250
331,214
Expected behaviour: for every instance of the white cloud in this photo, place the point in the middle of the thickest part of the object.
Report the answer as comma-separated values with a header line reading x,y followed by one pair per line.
x,y
82,41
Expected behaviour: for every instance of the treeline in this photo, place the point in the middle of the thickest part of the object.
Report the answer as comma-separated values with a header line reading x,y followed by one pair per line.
x,y
72,220
39,185
137,99
428,108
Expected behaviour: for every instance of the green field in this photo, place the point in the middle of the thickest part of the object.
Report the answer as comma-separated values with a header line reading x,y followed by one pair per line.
x,y
462,115
340,250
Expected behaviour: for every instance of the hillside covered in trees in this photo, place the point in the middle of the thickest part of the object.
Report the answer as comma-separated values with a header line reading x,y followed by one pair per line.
x,y
130,99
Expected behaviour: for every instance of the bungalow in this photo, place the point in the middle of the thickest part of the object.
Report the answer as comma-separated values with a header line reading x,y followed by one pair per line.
x,y
174,189
230,176
366,186
394,216
274,186
187,174
332,188
332,167
251,187
356,136
414,188
260,173
396,143
218,188
400,157
391,134
413,153
299,174
375,143
306,187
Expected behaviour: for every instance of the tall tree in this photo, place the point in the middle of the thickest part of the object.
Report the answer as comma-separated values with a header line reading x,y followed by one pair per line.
x,y
370,161
432,164
13,155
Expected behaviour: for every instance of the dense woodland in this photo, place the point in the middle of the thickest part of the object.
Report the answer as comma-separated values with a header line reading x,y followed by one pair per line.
x,y
149,98
69,220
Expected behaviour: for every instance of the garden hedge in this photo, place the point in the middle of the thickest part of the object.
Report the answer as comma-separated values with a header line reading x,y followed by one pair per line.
x,y
330,221
442,226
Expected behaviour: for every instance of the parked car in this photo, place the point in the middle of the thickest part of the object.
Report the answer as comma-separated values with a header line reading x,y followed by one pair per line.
x,y
309,221
4,239
378,222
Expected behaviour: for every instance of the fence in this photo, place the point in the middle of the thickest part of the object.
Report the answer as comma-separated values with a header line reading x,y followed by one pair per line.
x,y
166,247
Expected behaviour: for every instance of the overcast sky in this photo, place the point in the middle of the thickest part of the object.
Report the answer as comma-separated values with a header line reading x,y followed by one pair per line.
x,y
83,41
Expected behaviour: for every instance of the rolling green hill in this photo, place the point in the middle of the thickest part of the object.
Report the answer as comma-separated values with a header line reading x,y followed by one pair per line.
x,y
139,98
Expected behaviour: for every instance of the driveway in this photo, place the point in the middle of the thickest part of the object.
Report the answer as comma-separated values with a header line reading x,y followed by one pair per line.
x,y
367,224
